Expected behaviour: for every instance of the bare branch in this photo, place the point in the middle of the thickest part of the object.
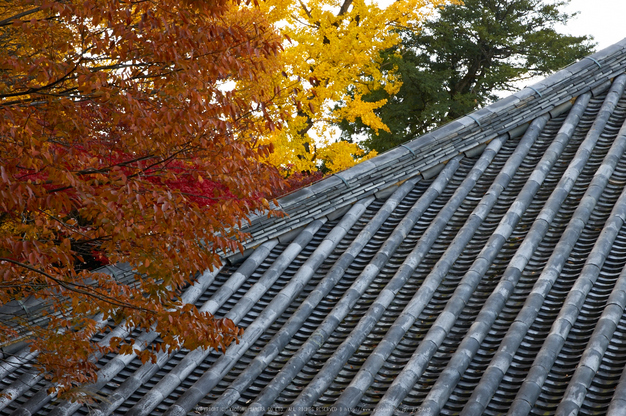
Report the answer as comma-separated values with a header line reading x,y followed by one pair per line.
x,y
344,7
9,20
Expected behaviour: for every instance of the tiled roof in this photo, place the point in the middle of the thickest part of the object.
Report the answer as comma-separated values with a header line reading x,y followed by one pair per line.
x,y
479,269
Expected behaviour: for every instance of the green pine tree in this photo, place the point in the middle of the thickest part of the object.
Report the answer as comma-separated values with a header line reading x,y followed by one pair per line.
x,y
462,57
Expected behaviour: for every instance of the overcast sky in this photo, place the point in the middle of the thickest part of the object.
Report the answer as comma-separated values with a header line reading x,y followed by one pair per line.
x,y
605,20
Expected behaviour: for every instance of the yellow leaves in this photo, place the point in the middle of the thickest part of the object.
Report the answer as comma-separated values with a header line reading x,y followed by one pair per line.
x,y
289,149
333,57
342,155
364,110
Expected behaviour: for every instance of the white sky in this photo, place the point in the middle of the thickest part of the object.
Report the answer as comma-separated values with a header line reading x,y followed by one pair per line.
x,y
605,20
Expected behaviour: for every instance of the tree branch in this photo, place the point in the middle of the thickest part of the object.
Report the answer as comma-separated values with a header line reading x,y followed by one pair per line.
x,y
9,20
344,7
77,288
307,11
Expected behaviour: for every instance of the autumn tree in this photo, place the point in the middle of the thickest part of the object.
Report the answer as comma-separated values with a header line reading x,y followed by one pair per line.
x,y
333,55
462,57
127,132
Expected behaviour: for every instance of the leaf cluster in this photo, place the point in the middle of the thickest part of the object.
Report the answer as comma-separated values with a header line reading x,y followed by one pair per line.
x,y
120,137
334,55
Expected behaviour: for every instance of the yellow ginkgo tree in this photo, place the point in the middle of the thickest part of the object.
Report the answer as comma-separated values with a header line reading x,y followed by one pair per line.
x,y
332,55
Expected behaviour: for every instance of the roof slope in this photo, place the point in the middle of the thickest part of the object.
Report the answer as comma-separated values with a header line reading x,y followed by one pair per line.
x,y
479,269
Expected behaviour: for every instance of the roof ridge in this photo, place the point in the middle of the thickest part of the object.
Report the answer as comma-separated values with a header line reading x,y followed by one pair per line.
x,y
510,115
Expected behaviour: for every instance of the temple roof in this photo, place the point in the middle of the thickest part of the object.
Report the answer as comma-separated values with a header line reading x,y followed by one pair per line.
x,y
478,269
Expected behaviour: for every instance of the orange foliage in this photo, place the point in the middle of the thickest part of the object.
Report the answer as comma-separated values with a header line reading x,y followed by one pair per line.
x,y
121,136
